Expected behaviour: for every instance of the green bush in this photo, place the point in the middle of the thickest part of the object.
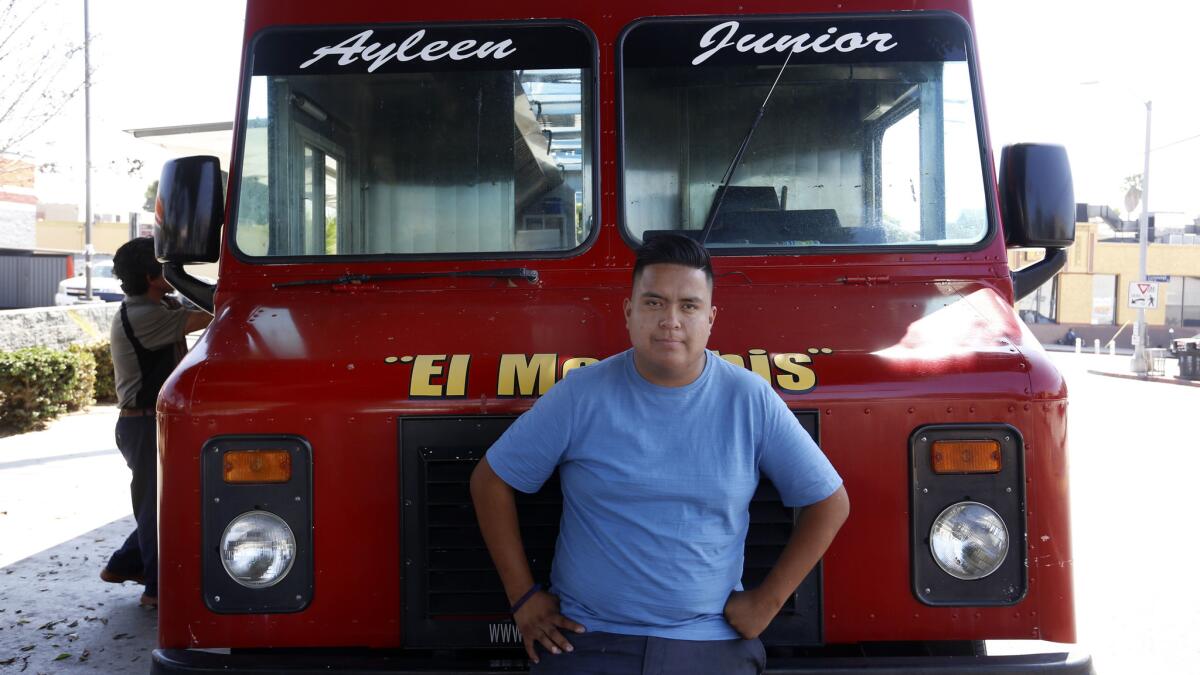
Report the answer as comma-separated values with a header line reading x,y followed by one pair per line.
x,y
83,391
39,384
106,385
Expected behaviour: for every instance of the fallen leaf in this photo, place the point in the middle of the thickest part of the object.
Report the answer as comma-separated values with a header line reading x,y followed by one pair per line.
x,y
8,662
28,648
73,624
122,636
84,656
62,656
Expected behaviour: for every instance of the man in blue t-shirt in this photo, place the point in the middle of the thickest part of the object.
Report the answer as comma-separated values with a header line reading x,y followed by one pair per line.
x,y
659,451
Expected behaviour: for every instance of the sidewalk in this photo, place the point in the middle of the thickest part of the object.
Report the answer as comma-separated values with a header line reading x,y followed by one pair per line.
x,y
1119,365
61,482
56,616
64,508
1129,375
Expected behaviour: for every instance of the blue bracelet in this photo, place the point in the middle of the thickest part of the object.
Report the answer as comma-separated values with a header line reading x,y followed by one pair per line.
x,y
525,598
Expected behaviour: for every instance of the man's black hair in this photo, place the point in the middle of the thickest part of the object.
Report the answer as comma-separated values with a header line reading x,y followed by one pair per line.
x,y
673,249
134,262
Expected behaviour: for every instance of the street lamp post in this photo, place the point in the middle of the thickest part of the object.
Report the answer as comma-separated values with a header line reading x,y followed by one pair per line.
x,y
87,151
1140,363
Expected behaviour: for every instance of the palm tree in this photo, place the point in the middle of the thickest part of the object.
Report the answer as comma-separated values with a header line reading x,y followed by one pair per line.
x,y
1133,192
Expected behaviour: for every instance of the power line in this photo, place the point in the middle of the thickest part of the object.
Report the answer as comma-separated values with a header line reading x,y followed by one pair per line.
x,y
1177,142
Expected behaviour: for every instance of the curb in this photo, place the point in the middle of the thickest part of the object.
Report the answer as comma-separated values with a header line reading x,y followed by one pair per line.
x,y
1148,378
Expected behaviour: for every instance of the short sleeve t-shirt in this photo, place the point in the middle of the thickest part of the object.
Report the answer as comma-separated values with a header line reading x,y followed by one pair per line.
x,y
155,326
657,483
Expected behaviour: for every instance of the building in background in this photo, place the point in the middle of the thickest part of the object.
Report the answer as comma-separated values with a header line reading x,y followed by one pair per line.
x,y
1091,293
18,204
28,273
109,231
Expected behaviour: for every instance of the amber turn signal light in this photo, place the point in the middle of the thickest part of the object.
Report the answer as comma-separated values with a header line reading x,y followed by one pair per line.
x,y
966,456
258,466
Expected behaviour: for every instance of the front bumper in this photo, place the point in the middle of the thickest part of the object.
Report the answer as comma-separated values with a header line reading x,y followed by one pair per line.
x,y
179,661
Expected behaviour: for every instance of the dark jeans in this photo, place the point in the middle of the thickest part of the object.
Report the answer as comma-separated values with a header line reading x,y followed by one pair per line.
x,y
137,439
611,654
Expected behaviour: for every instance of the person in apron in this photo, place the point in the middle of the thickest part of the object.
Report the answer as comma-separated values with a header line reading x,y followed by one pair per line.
x,y
147,342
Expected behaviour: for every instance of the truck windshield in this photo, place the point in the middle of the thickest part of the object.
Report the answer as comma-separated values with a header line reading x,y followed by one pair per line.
x,y
870,138
412,140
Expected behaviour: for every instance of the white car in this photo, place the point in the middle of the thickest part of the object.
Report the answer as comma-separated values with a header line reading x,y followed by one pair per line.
x,y
105,286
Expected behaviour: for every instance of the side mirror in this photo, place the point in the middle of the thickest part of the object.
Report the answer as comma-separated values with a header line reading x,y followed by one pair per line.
x,y
189,211
188,214
1037,205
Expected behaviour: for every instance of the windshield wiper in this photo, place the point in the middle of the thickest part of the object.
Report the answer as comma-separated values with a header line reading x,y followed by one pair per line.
x,y
502,273
719,197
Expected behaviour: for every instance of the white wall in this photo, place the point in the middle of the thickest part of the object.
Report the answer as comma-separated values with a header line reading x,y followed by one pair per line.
x,y
17,225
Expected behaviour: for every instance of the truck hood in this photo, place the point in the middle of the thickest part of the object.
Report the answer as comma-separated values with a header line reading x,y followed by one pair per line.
x,y
471,349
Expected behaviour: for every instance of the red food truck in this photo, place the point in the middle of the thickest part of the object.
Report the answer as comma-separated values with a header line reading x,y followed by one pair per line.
x,y
430,219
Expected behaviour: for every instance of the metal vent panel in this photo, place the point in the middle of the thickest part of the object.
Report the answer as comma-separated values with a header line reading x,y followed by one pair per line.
x,y
452,594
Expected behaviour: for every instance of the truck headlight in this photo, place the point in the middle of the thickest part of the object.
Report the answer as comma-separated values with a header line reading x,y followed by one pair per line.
x,y
969,540
257,549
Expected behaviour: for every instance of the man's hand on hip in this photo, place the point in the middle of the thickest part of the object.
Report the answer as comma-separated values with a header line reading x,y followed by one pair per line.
x,y
537,617
750,612
539,620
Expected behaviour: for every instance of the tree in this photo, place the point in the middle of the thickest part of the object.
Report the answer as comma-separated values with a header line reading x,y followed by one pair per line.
x,y
39,70
1133,192
151,195
152,189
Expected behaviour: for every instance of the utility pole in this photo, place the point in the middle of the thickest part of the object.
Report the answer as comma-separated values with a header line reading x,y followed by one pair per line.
x,y
1141,364
87,151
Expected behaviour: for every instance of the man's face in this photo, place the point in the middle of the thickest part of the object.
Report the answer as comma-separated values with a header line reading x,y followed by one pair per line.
x,y
159,283
669,317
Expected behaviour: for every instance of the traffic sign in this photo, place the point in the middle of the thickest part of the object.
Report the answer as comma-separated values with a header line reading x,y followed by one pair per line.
x,y
1143,294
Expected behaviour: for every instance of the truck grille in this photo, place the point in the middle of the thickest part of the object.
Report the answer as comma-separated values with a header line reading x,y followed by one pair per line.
x,y
452,594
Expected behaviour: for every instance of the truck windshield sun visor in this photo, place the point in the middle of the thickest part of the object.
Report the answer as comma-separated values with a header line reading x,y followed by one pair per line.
x,y
506,273
871,138
417,140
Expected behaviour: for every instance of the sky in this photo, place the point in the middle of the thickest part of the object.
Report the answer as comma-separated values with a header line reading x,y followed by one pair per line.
x,y
1073,72
1079,72
154,63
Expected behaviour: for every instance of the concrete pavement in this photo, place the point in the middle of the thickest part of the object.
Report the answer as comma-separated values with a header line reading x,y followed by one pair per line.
x,y
56,616
64,507
1119,365
77,455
